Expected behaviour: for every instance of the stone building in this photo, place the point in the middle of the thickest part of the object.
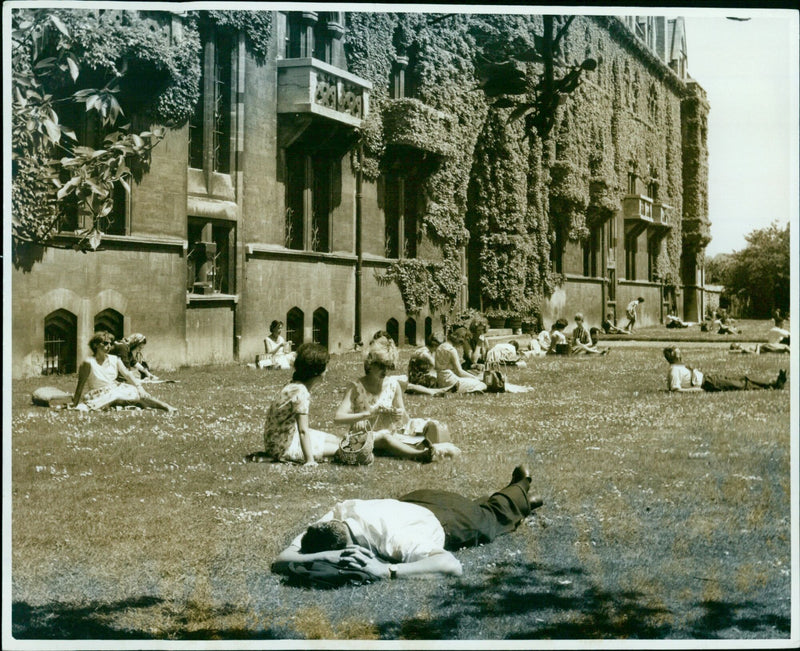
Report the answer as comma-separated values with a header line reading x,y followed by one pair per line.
x,y
264,206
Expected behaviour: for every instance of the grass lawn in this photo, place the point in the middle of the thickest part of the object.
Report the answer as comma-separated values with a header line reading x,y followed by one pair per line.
x,y
666,516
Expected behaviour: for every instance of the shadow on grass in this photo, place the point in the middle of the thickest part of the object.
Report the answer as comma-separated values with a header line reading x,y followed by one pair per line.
x,y
509,600
533,601
95,621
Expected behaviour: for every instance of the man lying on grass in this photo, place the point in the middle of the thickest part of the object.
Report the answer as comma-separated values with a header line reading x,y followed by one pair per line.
x,y
685,378
369,540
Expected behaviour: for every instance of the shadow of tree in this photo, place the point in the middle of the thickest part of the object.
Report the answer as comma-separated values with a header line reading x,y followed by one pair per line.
x,y
541,602
509,600
94,621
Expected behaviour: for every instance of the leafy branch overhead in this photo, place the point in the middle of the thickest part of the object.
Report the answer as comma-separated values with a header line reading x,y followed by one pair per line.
x,y
508,81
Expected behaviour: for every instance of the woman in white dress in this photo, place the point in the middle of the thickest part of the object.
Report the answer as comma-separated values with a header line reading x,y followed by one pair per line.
x,y
277,349
375,401
98,376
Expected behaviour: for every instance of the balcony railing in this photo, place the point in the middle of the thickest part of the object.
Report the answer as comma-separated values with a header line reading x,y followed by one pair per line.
x,y
636,206
313,87
661,214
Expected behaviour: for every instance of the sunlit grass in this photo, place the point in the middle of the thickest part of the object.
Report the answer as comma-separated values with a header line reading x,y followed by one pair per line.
x,y
665,515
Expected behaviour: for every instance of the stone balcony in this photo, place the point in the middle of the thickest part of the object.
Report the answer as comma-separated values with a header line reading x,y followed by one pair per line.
x,y
309,87
638,212
661,215
410,124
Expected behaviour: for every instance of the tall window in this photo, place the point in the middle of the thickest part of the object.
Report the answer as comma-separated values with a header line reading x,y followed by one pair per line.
x,y
652,190
653,249
632,183
401,214
411,332
89,132
590,248
310,182
631,245
557,251
210,129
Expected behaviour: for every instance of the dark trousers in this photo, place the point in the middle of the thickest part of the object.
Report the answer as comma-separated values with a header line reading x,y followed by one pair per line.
x,y
729,383
473,522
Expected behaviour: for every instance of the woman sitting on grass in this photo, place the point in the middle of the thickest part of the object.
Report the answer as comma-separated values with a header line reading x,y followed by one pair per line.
x,y
683,378
558,340
131,351
448,365
278,351
287,436
420,378
375,402
98,376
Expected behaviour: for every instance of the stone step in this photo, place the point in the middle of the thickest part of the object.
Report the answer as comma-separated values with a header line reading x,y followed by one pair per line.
x,y
499,332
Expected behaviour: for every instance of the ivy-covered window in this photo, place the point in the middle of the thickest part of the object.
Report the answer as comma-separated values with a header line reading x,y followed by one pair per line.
x,y
652,190
401,215
591,246
210,129
310,180
632,183
210,261
89,132
557,252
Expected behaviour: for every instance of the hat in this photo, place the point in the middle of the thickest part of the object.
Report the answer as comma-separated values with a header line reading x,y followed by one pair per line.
x,y
136,339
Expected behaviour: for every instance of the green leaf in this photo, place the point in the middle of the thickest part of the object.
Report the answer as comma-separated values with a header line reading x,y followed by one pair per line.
x,y
59,25
74,71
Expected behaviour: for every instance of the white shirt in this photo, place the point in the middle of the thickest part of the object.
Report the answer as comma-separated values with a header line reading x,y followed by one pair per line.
x,y
101,375
680,377
396,531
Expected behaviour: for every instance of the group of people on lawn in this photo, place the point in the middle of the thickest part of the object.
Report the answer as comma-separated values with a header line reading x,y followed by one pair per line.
x,y
367,540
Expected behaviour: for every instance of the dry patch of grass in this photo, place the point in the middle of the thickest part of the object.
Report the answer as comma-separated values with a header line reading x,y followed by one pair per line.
x,y
666,516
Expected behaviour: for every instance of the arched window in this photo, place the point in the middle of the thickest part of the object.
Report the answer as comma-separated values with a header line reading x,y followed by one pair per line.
x,y
428,328
294,326
111,321
393,328
411,332
320,327
60,342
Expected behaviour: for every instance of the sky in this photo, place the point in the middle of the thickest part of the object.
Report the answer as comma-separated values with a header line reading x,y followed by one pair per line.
x,y
750,74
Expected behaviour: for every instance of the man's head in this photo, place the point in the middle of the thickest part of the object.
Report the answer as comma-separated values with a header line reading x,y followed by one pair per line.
x,y
325,536
640,299
594,333
672,354
579,318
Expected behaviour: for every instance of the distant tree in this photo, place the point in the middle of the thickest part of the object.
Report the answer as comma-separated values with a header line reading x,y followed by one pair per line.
x,y
717,268
759,275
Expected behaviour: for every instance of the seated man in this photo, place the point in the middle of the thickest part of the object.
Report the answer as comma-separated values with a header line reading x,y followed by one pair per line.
x,y
388,539
610,329
590,348
683,378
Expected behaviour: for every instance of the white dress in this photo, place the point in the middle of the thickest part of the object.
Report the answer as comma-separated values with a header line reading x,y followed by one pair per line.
x,y
446,371
277,358
103,388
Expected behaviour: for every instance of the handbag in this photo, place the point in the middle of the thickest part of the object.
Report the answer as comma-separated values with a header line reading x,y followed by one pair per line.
x,y
494,380
355,449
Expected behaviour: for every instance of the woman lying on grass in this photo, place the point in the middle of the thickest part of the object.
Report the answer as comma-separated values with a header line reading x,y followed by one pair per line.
x,y
684,378
98,374
375,402
287,436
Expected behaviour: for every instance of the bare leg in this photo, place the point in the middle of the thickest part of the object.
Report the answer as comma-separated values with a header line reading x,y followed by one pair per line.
x,y
386,443
146,400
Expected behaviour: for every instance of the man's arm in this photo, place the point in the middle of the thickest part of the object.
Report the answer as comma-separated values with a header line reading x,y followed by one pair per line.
x,y
292,554
441,563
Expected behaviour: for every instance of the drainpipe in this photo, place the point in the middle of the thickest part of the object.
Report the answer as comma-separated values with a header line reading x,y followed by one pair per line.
x,y
359,255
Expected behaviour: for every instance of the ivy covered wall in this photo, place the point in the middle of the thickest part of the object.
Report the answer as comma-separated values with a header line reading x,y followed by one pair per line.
x,y
506,190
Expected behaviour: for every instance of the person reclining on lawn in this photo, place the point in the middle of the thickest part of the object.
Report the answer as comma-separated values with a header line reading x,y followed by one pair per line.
x,y
412,536
610,328
506,353
676,322
683,378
